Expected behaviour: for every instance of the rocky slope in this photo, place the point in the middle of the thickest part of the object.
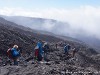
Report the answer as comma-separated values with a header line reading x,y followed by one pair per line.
x,y
58,64
85,61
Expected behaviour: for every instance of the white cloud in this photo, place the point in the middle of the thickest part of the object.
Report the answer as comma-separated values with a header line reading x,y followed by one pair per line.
x,y
84,18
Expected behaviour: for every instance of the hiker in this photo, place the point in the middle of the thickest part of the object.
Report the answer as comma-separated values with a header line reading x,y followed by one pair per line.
x,y
66,49
15,54
40,53
36,53
45,49
69,47
74,51
56,45
9,56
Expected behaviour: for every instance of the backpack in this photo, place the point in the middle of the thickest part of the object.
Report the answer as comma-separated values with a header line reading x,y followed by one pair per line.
x,y
66,48
9,53
36,52
69,47
15,53
45,48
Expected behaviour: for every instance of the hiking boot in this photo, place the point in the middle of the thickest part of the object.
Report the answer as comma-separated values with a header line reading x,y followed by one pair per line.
x,y
41,62
11,64
4,64
33,62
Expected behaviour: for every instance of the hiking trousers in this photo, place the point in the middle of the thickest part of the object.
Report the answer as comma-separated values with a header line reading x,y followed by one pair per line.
x,y
45,56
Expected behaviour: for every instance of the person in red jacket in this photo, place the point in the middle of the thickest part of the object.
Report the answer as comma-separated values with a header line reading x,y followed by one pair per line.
x,y
36,52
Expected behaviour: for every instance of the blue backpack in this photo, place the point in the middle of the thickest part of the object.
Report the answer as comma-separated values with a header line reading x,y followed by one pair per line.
x,y
66,48
15,53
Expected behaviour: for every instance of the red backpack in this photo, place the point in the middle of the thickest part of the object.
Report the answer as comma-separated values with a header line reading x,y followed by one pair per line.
x,y
36,52
9,53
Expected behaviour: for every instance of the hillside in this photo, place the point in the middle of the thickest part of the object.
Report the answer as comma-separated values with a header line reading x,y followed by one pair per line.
x,y
11,33
86,59
56,27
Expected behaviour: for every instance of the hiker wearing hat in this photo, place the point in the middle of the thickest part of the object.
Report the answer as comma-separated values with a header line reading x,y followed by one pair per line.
x,y
15,54
45,49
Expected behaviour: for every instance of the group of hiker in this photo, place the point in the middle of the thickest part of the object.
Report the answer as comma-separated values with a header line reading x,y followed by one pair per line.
x,y
40,52
67,49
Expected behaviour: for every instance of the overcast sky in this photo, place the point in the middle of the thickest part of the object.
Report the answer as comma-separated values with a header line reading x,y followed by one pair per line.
x,y
82,15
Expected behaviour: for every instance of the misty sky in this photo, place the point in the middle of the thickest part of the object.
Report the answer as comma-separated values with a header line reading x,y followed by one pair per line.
x,y
82,15
43,4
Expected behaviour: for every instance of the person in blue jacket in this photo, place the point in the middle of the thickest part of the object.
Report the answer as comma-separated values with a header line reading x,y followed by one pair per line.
x,y
67,48
40,54
15,54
